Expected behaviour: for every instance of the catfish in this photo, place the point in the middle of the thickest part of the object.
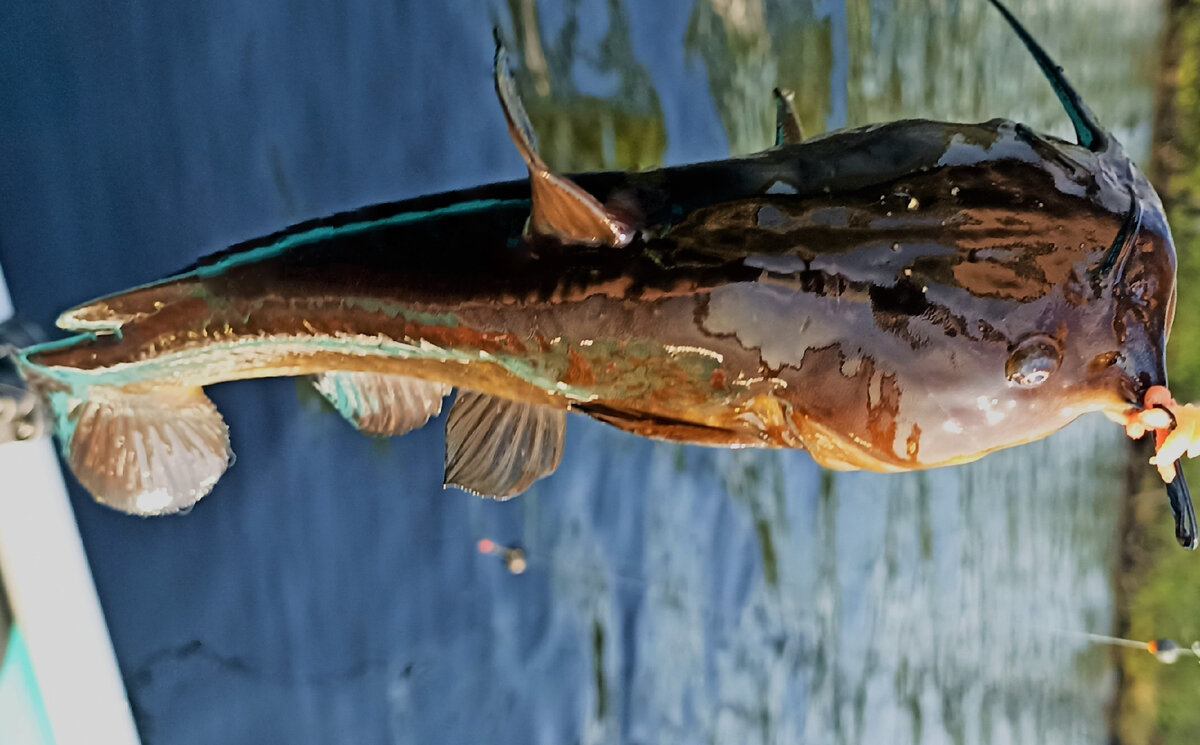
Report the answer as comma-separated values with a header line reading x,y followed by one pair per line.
x,y
890,297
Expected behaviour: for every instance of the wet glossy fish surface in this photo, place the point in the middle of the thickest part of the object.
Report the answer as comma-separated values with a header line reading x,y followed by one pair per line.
x,y
890,297
859,294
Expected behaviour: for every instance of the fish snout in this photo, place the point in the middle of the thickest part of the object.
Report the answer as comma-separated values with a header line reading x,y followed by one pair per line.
x,y
1143,305
1142,364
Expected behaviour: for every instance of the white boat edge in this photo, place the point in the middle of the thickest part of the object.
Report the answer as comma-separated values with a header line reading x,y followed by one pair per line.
x,y
53,598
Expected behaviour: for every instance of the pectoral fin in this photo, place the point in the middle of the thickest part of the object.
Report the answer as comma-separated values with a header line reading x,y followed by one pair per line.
x,y
1087,129
382,404
560,208
497,448
150,453
787,125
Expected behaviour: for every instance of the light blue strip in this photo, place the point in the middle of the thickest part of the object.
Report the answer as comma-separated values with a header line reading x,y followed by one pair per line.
x,y
324,233
23,719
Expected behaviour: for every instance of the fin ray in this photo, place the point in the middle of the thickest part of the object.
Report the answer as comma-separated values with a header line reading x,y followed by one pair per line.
x,y
1087,129
560,208
497,448
382,404
147,453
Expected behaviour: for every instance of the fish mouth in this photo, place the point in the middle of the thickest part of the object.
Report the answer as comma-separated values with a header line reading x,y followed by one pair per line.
x,y
1139,374
1141,367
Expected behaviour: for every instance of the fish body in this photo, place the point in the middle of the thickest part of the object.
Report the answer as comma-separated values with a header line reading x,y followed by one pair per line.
x,y
748,311
896,296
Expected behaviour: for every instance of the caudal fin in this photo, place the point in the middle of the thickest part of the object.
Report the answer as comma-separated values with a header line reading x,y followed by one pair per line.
x,y
147,453
107,314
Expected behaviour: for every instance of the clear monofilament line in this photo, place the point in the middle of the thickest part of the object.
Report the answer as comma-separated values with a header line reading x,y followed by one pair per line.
x,y
1115,641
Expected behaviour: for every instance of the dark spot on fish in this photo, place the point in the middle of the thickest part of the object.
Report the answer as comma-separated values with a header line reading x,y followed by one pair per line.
x,y
822,284
1103,360
903,298
718,379
940,316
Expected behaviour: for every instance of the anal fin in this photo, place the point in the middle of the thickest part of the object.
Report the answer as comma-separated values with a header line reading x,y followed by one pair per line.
x,y
146,453
561,209
497,448
381,404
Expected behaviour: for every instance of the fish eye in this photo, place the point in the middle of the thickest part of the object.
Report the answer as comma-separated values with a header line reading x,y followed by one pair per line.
x,y
1033,361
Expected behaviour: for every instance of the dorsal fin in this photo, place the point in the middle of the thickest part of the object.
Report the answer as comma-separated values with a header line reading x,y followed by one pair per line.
x,y
497,448
787,125
1087,129
560,209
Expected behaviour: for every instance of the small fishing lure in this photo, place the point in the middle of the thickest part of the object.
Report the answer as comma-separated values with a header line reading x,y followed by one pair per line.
x,y
895,296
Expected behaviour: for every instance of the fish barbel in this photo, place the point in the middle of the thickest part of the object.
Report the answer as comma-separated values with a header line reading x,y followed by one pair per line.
x,y
890,297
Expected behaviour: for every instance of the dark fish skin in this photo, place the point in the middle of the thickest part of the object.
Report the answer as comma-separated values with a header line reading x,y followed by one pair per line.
x,y
858,295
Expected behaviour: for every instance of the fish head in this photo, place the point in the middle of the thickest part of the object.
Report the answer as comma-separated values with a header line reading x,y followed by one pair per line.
x,y
1093,339
1136,277
1104,336
1023,292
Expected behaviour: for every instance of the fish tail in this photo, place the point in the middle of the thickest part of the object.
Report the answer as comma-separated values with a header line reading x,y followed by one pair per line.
x,y
108,314
153,451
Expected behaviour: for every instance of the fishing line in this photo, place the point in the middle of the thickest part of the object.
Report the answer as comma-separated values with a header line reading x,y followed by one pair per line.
x,y
1166,651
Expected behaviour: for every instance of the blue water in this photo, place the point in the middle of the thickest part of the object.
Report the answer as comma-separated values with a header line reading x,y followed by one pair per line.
x,y
329,590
